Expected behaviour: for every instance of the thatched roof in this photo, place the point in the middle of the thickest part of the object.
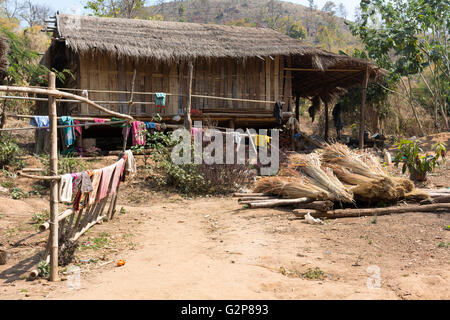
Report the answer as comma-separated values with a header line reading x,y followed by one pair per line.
x,y
175,41
167,40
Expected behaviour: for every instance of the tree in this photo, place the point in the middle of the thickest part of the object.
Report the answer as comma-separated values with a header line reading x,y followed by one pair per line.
x,y
407,38
34,14
115,8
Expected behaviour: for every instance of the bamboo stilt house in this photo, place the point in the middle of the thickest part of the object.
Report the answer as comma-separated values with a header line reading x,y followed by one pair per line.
x,y
238,73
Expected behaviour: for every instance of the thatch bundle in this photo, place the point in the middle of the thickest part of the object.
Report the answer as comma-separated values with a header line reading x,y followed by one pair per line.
x,y
338,174
291,188
310,165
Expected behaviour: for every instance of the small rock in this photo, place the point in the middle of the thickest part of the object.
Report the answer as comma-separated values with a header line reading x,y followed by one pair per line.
x,y
4,190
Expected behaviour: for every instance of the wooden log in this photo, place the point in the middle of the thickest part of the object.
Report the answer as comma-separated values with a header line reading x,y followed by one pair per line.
x,y
62,216
442,199
250,194
53,184
345,213
256,198
321,206
4,256
277,203
87,227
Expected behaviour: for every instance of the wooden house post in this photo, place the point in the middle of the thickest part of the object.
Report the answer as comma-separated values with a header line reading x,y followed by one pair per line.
x,y
54,183
187,111
326,121
362,111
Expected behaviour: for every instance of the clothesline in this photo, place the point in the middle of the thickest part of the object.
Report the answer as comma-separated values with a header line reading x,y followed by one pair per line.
x,y
66,126
149,93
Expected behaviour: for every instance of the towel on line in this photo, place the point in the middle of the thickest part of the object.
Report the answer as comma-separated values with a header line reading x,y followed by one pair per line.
x,y
131,163
160,99
40,121
117,174
106,179
262,140
69,133
96,177
138,133
65,188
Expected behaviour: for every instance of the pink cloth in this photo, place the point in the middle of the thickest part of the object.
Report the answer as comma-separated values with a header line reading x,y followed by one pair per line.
x,y
106,179
196,131
138,133
117,174
77,129
96,176
98,120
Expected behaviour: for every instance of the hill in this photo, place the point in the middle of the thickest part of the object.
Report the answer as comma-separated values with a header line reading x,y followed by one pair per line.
x,y
324,29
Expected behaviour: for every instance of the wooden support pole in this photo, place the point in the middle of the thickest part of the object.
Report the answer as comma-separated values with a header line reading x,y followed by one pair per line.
x,y
362,111
53,184
297,107
187,111
326,122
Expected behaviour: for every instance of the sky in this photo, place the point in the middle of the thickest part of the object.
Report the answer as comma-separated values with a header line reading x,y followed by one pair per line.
x,y
76,6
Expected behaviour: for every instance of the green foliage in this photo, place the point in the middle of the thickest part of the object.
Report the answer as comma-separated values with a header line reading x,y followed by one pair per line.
x,y
24,67
114,8
408,153
44,269
407,38
65,164
40,218
314,274
18,193
9,150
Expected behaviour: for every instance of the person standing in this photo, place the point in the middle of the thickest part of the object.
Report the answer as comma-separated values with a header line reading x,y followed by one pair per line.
x,y
337,118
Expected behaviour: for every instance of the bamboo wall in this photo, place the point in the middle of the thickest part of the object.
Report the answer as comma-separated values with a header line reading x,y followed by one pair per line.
x,y
252,79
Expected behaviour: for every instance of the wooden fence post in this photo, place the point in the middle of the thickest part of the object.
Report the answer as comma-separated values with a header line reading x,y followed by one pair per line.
x,y
187,111
54,183
362,111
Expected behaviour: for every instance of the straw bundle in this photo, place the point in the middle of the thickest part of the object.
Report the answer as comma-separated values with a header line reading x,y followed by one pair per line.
x,y
311,166
348,177
291,188
342,155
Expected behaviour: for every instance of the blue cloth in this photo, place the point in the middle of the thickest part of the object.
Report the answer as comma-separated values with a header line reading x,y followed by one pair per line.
x,y
69,133
160,99
40,121
150,125
296,136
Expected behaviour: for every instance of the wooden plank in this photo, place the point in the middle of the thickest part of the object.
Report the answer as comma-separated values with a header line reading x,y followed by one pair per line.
x,y
268,80
173,80
276,79
223,83
230,82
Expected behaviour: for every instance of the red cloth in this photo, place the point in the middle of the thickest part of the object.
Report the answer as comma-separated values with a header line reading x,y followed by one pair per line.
x,y
98,120
77,129
106,179
138,133
120,165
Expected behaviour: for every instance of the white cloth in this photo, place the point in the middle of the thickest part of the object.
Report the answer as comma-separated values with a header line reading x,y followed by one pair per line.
x,y
293,124
131,163
65,188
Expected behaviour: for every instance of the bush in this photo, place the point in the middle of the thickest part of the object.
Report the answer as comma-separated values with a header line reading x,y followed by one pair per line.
x,y
9,150
195,179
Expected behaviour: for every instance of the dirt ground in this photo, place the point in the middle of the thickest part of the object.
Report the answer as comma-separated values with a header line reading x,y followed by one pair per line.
x,y
212,248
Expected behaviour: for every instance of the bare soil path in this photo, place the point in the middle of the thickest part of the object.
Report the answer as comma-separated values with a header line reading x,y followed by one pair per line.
x,y
209,249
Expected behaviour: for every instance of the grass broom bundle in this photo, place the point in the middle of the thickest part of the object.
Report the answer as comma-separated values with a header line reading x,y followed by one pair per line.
x,y
311,166
290,188
342,155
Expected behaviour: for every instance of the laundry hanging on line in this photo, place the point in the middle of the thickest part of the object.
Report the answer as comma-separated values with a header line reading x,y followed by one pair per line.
x,y
65,188
138,133
160,99
262,141
69,132
40,121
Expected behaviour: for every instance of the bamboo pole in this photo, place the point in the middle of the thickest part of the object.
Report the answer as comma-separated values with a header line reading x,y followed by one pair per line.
x,y
53,183
187,111
362,111
277,203
130,104
59,94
